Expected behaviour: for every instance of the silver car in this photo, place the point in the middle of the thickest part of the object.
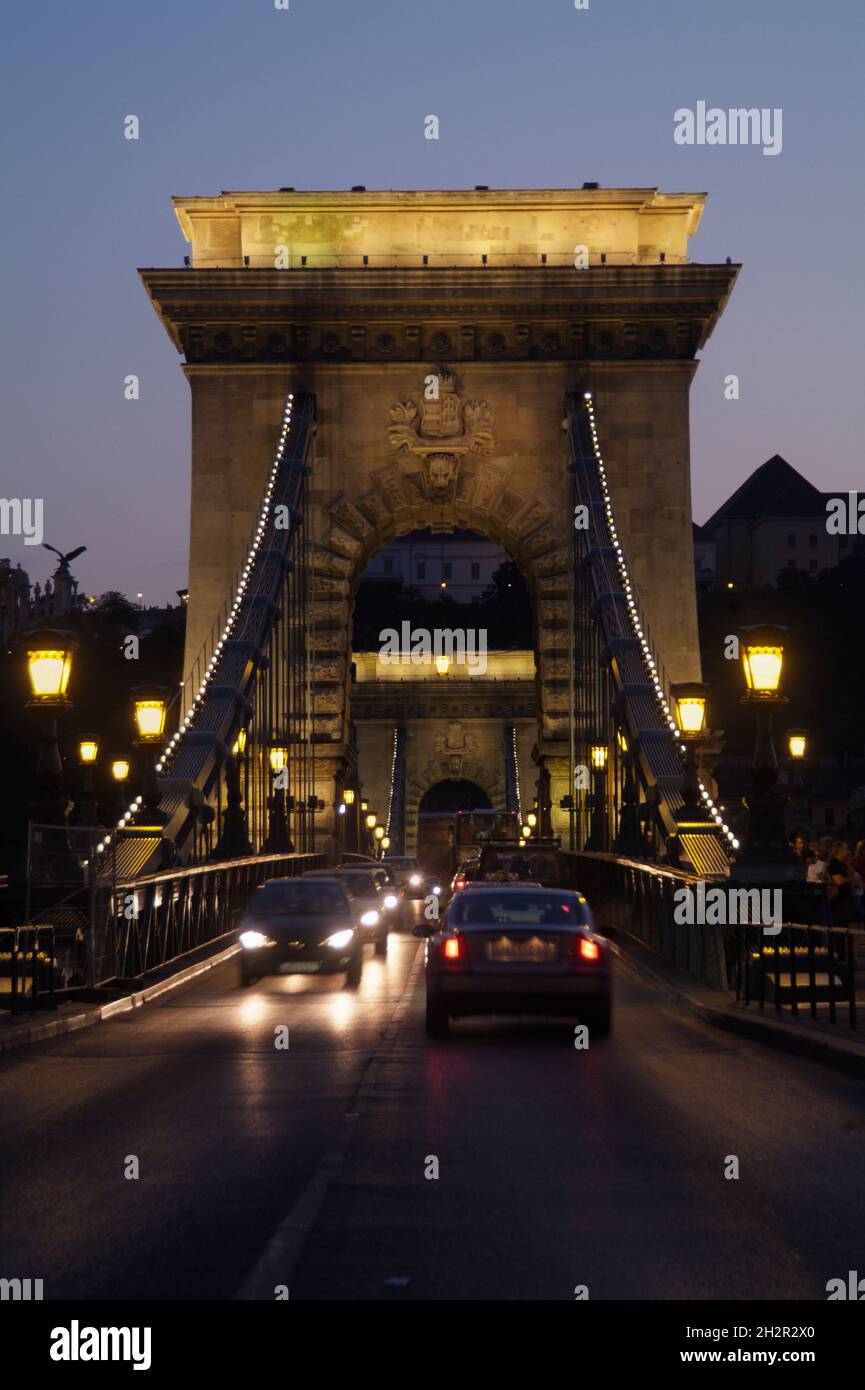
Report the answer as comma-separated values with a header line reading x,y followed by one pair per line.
x,y
504,948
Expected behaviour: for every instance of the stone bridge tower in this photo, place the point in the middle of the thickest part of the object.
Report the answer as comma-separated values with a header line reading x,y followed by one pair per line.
x,y
509,298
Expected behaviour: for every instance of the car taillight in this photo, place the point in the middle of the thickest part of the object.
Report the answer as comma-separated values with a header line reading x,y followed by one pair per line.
x,y
453,949
460,883
589,950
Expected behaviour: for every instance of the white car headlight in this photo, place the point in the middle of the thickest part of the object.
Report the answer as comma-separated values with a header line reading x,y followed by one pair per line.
x,y
391,900
340,939
415,880
369,919
437,889
251,939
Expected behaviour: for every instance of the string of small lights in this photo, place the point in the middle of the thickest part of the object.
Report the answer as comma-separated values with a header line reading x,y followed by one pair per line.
x,y
392,776
517,775
634,613
242,584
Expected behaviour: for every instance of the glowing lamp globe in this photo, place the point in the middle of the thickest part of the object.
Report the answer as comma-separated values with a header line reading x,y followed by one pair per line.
x,y
797,743
599,756
762,650
49,665
149,705
120,769
689,701
278,759
88,749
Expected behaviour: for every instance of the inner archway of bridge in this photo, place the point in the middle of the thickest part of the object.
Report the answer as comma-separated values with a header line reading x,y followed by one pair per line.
x,y
469,725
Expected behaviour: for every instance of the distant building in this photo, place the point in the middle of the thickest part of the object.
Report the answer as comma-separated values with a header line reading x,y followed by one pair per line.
x,y
463,561
776,520
705,557
23,605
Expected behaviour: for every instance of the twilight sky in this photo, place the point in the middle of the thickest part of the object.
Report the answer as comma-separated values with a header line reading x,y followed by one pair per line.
x,y
529,93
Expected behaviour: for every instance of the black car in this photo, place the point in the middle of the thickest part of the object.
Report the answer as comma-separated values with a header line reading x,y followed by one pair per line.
x,y
537,861
371,903
300,927
507,948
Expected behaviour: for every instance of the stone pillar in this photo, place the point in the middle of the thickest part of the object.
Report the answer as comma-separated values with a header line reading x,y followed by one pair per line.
x,y
643,426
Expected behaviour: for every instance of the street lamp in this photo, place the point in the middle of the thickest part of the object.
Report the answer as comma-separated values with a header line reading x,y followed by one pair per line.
x,y
379,837
765,848
149,713
443,665
531,820
239,746
385,844
278,840
797,743
88,752
120,769
348,796
371,820
49,666
762,650
689,704
598,834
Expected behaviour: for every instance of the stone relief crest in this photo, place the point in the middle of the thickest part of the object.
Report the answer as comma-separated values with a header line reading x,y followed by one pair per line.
x,y
456,739
440,429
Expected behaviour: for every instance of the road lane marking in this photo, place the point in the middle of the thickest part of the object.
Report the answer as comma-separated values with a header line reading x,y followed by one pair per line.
x,y
280,1256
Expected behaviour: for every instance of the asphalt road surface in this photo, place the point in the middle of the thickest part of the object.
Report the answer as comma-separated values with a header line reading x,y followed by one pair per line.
x,y
314,1166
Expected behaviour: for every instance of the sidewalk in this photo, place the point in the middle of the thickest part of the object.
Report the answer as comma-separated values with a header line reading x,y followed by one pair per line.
x,y
834,1044
19,1027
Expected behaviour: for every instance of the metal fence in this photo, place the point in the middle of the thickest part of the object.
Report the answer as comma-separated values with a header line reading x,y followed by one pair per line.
x,y
802,963
113,931
29,973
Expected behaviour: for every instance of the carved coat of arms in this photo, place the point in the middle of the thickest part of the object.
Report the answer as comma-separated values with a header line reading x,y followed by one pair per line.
x,y
440,428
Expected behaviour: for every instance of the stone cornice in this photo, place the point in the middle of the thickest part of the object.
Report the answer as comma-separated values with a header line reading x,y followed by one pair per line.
x,y
406,315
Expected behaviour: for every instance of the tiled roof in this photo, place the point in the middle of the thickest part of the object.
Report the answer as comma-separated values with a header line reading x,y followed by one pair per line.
x,y
773,489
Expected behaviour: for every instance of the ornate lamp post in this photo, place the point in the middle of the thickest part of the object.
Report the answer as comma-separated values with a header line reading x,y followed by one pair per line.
x,y
798,821
765,851
597,840
149,704
689,702
49,666
379,837
120,776
88,752
278,840
629,840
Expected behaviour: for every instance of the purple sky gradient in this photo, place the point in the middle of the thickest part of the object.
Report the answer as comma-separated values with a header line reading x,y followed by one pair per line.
x,y
529,93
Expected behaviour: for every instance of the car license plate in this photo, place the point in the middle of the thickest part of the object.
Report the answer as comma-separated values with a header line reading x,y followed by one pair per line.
x,y
531,951
299,967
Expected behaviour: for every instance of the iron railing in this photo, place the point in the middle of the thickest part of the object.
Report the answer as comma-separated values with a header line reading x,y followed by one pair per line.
x,y
801,963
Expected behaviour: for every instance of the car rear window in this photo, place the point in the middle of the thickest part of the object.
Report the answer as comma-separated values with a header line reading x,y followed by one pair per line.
x,y
363,884
517,867
488,907
300,898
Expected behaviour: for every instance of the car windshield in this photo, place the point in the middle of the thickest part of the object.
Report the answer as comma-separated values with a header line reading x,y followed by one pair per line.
x,y
490,908
298,899
518,867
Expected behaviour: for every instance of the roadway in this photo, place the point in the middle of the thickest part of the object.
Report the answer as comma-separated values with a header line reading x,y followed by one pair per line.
x,y
557,1167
